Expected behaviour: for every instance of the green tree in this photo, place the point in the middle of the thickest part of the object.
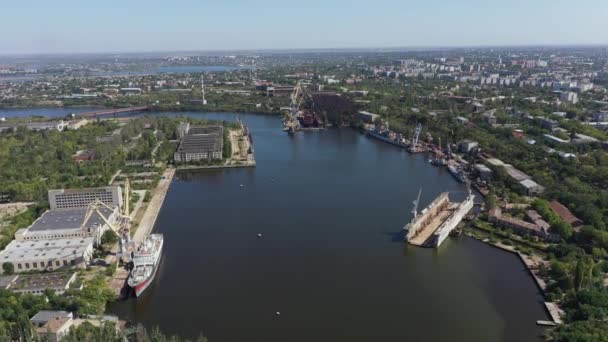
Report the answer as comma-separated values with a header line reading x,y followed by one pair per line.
x,y
8,268
109,238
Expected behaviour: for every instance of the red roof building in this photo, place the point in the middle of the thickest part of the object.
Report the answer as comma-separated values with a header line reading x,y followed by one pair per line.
x,y
565,214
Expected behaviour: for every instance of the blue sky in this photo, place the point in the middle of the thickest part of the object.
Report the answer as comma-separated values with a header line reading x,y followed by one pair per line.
x,y
63,26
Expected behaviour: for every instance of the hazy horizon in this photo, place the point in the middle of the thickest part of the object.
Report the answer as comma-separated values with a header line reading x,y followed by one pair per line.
x,y
71,26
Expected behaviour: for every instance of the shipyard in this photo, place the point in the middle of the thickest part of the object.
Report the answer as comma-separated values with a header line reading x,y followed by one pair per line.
x,y
267,192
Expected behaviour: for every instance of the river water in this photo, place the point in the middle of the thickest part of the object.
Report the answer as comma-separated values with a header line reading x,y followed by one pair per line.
x,y
330,206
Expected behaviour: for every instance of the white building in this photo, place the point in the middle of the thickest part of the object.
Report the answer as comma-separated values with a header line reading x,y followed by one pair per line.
x,y
47,255
52,326
69,224
569,96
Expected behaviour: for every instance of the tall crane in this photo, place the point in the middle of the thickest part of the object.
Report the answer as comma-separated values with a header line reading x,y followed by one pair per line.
x,y
291,123
415,209
414,145
127,197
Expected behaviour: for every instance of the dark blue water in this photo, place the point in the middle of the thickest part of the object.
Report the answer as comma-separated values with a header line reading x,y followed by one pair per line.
x,y
330,206
51,112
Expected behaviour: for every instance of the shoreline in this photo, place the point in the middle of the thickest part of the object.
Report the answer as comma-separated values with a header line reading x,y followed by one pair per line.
x,y
551,308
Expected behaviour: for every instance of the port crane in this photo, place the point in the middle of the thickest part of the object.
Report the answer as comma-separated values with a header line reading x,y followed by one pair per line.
x,y
415,209
291,123
414,145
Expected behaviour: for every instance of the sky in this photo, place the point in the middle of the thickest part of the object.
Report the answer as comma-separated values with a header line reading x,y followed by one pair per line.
x,y
69,26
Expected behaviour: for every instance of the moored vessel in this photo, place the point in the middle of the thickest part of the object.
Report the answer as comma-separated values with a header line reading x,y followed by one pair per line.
x,y
146,261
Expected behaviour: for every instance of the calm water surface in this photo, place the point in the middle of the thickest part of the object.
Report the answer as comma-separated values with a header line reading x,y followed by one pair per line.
x,y
52,112
330,206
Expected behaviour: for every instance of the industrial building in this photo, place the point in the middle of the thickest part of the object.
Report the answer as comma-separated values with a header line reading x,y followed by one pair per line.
x,y
36,126
38,283
367,117
47,255
73,223
201,143
531,188
279,90
540,228
81,198
565,214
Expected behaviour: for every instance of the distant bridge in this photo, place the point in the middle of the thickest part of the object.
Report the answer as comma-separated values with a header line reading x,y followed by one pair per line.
x,y
107,112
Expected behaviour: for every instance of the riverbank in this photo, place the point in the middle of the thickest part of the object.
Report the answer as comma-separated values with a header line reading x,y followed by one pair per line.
x,y
145,226
533,264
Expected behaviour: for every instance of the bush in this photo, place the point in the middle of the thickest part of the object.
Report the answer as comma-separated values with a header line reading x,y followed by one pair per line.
x,y
507,242
111,270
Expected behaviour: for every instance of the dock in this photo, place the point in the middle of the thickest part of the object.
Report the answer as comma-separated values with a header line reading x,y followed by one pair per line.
x,y
434,223
149,219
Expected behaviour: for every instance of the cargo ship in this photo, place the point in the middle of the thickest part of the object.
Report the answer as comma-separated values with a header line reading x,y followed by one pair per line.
x,y
389,137
433,224
146,261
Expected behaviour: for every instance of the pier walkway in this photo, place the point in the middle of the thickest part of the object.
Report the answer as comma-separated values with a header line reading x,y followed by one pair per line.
x,y
149,219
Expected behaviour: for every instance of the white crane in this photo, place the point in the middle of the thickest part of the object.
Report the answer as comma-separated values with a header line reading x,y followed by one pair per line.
x,y
414,146
415,209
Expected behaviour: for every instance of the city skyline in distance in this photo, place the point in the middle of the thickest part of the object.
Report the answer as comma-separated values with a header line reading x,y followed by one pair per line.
x,y
69,26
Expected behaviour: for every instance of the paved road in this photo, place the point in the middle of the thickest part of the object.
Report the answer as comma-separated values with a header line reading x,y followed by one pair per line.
x,y
158,197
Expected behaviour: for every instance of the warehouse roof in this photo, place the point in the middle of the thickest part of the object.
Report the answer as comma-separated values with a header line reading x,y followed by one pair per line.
x,y
202,139
45,249
60,219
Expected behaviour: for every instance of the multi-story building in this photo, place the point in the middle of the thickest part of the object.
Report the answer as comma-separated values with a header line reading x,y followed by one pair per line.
x,y
81,198
569,96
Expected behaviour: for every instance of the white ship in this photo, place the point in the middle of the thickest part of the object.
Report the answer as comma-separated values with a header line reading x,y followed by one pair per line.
x,y
145,263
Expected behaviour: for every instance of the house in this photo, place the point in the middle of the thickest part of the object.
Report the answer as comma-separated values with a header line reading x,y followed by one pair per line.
x,y
52,325
461,120
82,156
518,134
467,146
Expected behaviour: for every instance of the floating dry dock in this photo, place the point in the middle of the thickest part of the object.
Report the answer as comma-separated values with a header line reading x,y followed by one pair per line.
x,y
433,224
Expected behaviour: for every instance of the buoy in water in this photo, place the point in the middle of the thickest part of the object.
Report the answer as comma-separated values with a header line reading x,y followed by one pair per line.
x,y
259,235
241,185
278,313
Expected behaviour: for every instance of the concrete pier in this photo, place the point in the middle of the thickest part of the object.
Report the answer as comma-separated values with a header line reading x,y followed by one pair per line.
x,y
158,197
